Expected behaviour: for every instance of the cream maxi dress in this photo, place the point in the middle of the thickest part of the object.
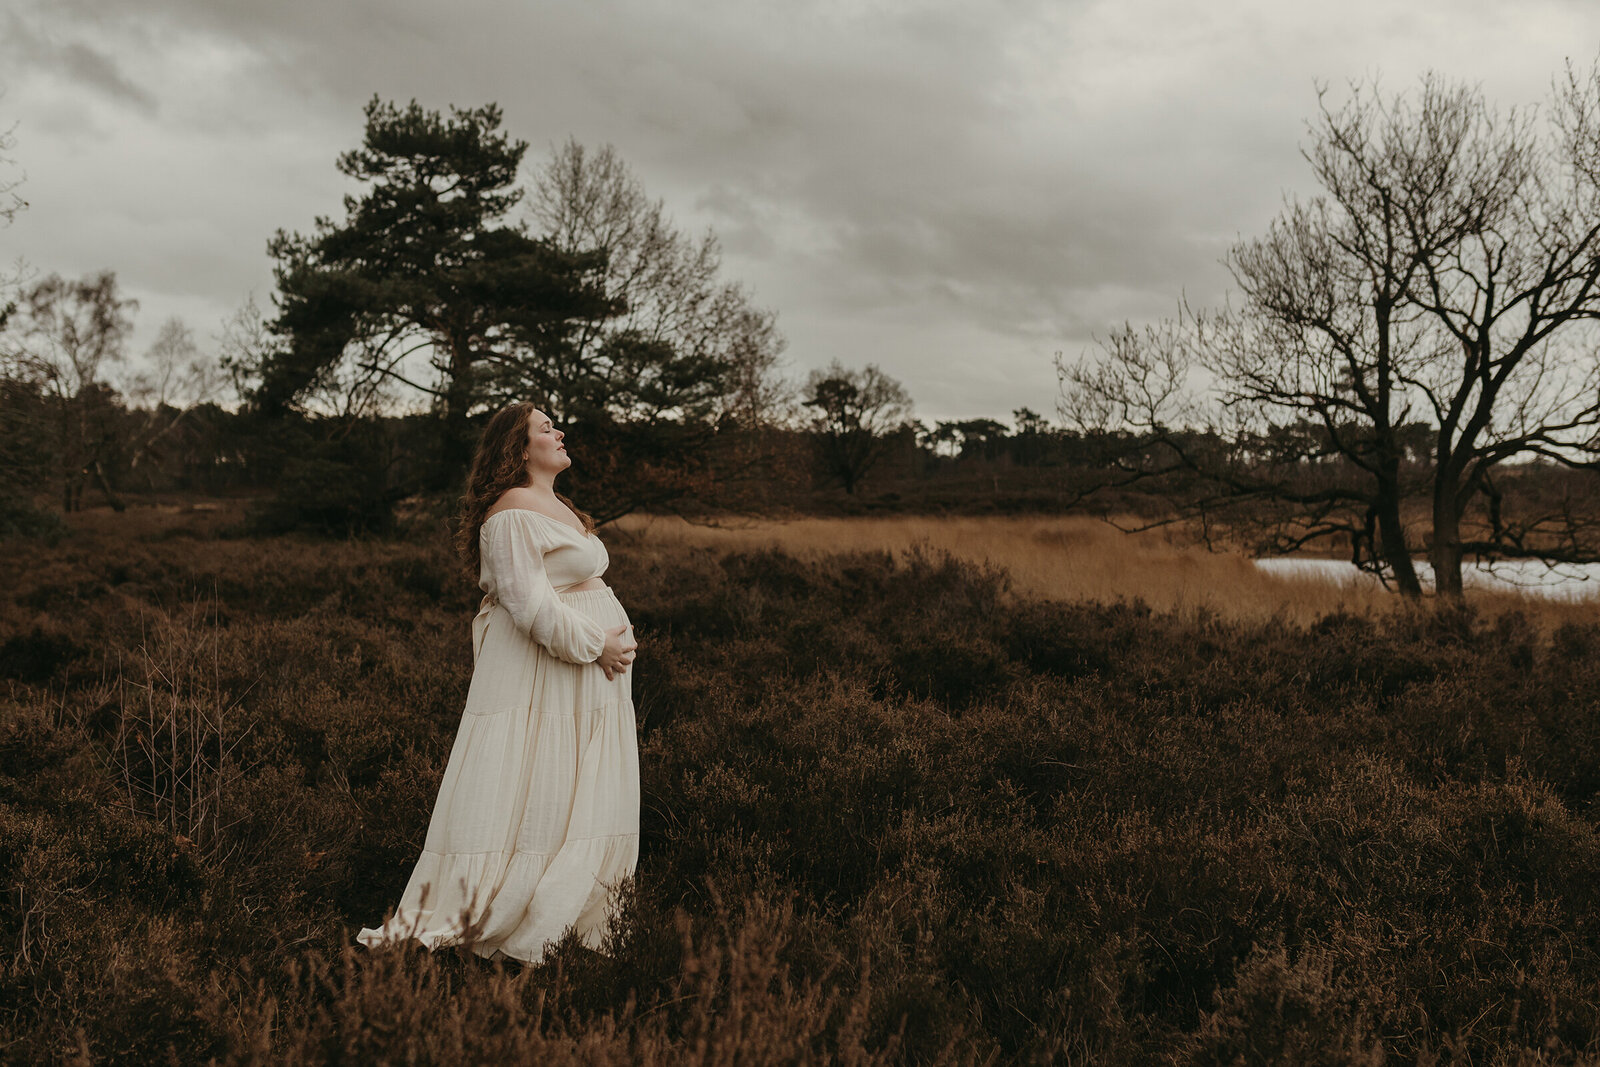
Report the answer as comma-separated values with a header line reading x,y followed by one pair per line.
x,y
538,811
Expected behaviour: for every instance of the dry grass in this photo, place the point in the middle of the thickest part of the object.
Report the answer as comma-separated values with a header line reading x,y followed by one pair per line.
x,y
1079,558
1063,558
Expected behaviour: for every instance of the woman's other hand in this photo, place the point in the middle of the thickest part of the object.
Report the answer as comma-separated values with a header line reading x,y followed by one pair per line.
x,y
619,651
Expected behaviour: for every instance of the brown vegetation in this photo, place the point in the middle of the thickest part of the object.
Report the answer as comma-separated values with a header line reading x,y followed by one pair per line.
x,y
892,811
1070,557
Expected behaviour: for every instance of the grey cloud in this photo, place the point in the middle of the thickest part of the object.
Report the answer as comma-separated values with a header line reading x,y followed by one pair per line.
x,y
1010,177
75,60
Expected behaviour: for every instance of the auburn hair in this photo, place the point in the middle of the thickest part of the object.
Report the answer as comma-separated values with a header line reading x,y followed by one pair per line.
x,y
500,463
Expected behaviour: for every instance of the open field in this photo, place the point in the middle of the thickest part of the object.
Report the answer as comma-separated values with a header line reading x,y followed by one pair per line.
x,y
897,808
1075,558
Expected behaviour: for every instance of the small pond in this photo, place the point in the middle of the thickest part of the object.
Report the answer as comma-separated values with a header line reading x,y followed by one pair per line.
x,y
1566,581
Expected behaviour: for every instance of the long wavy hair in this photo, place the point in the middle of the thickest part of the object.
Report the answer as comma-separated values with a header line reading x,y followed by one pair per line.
x,y
500,463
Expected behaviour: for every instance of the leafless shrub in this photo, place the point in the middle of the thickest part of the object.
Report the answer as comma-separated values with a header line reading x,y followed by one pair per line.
x,y
177,734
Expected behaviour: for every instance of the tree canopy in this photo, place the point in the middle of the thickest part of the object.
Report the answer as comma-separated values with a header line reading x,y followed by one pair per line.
x,y
592,304
423,264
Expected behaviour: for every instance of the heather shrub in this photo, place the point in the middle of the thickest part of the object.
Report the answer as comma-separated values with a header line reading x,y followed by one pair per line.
x,y
1283,1011
19,518
338,487
891,813
37,655
734,1001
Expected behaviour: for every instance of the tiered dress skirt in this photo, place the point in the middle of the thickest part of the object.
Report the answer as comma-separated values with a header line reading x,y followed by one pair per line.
x,y
537,820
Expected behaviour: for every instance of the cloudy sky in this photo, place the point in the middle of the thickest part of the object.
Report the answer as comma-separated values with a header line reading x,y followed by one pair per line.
x,y
954,191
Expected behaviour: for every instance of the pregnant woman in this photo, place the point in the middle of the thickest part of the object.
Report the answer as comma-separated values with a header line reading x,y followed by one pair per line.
x,y
538,812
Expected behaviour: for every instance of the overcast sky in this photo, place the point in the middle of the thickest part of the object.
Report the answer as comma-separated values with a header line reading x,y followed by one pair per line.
x,y
954,191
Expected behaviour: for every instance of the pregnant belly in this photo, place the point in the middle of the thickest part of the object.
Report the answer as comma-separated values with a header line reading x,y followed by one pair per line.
x,y
586,585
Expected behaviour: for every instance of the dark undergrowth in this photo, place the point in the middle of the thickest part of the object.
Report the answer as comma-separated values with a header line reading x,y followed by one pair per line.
x,y
890,815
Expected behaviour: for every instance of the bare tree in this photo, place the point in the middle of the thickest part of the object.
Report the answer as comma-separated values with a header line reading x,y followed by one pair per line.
x,y
71,332
176,373
243,348
1447,275
11,203
759,394
681,381
724,352
63,338
852,411
22,415
177,379
343,389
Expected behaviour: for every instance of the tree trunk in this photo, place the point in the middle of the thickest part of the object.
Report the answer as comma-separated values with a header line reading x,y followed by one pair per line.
x,y
1445,551
457,445
848,473
458,441
64,454
1392,538
105,487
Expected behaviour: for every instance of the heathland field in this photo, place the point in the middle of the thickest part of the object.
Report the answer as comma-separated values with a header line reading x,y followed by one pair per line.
x,y
919,791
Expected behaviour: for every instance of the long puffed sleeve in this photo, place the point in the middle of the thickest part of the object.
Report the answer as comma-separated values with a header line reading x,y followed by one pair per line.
x,y
516,560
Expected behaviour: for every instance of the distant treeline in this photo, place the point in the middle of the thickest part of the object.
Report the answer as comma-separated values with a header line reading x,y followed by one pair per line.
x,y
343,475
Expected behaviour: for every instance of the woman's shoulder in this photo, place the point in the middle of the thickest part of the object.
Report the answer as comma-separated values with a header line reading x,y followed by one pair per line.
x,y
532,504
513,516
517,498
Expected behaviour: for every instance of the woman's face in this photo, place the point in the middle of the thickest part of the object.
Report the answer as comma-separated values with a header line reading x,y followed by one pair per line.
x,y
546,453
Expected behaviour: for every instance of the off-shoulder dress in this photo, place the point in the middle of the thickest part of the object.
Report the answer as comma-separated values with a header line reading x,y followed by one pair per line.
x,y
537,818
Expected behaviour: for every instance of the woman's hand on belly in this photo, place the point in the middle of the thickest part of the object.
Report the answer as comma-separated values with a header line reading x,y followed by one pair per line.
x,y
619,651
